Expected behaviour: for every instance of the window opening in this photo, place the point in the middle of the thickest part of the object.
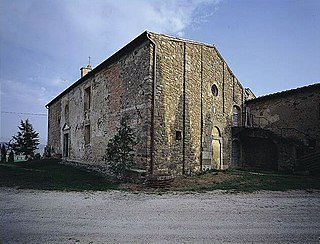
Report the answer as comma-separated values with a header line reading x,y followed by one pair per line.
x,y
66,112
87,134
214,90
236,116
87,98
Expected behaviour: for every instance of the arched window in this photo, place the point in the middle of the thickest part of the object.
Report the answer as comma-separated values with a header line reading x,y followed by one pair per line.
x,y
236,116
66,112
216,132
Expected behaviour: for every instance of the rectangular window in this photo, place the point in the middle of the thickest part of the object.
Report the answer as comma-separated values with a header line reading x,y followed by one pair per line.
x,y
178,135
87,135
87,98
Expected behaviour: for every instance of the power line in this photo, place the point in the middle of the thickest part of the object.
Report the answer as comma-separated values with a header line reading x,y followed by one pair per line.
x,y
34,114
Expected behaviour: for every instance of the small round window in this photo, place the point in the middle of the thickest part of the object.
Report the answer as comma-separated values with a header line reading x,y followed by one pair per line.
x,y
214,90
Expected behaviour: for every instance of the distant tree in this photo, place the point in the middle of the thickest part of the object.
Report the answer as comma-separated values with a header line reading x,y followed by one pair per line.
x,y
120,154
3,153
27,140
11,157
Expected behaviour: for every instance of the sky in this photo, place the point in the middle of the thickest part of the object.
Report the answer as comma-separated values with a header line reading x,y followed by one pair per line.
x,y
270,45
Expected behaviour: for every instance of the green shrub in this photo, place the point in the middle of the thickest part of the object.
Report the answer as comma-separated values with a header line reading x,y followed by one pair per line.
x,y
119,153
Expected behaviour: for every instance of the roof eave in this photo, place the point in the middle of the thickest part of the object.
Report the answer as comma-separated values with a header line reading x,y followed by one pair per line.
x,y
113,58
285,93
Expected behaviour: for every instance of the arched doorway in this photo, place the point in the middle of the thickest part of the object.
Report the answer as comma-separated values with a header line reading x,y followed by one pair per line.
x,y
236,154
216,148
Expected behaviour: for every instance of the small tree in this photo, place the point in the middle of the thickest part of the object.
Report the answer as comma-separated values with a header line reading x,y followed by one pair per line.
x,y
120,150
27,140
3,154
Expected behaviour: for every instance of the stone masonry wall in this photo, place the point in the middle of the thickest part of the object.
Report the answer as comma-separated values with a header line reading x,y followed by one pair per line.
x,y
218,110
54,131
192,108
186,72
168,152
122,88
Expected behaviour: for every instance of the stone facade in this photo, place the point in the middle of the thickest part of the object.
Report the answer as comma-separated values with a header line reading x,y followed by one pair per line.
x,y
54,128
89,111
196,95
181,97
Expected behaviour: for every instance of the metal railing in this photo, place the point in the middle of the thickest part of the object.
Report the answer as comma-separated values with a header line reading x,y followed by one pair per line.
x,y
251,120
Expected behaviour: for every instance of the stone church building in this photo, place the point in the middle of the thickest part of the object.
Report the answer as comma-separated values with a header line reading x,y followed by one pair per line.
x,y
182,99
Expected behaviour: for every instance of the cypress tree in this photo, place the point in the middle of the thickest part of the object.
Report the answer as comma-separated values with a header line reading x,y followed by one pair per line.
x,y
27,140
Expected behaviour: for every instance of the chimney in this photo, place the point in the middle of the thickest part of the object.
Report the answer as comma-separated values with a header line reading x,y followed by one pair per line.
x,y
85,70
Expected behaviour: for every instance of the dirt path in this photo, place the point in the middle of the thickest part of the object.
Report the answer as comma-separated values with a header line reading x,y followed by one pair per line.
x,y
28,216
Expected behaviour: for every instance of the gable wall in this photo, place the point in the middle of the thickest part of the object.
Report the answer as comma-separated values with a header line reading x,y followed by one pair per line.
x,y
185,73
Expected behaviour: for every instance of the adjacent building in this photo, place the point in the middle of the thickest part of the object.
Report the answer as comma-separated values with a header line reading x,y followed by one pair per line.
x,y
289,127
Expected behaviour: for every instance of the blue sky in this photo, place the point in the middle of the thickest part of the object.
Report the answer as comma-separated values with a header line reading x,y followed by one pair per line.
x,y
270,45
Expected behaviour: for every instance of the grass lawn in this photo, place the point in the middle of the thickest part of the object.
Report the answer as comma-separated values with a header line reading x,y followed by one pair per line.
x,y
247,181
50,175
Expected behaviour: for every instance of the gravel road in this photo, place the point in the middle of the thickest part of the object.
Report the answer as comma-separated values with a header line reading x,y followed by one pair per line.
x,y
30,216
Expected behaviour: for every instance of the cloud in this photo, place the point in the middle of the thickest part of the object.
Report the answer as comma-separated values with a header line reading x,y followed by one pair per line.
x,y
46,42
20,97
58,83
63,28
56,37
